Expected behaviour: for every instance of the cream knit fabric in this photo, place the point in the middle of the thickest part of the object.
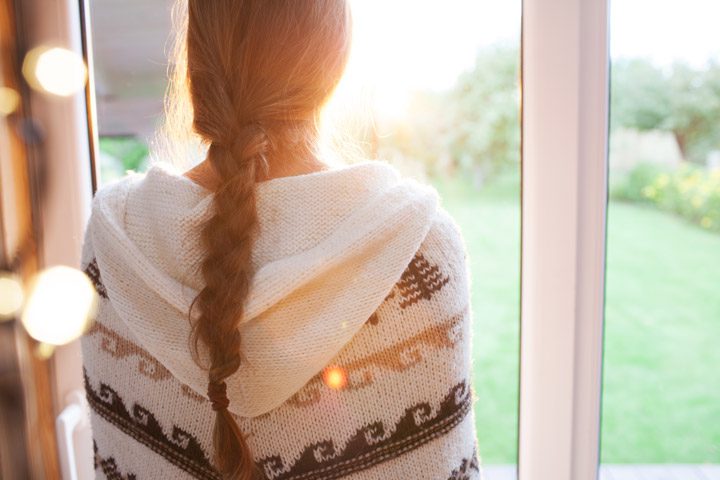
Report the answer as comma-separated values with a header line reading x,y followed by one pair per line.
x,y
356,338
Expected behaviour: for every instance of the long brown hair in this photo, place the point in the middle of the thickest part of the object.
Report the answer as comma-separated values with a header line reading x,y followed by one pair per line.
x,y
258,73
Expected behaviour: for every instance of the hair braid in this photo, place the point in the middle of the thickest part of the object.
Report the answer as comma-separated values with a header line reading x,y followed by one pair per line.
x,y
227,238
258,72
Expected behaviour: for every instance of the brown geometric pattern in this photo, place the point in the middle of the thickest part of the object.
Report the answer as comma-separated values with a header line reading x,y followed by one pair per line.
x,y
420,280
371,444
93,272
120,347
375,318
398,358
109,466
190,393
466,466
179,448
375,442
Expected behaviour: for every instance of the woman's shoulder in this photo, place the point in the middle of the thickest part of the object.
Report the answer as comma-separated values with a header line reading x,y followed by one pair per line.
x,y
115,190
445,238
444,228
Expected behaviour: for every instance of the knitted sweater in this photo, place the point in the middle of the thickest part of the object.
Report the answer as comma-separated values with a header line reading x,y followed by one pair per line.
x,y
355,339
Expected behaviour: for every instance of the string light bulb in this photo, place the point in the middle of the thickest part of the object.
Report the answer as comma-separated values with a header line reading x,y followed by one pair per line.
x,y
60,306
9,101
12,296
55,70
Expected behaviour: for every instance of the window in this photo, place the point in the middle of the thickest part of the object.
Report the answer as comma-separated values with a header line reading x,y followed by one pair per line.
x,y
661,391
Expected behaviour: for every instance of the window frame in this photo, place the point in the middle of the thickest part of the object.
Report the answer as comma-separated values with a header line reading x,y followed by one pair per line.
x,y
565,111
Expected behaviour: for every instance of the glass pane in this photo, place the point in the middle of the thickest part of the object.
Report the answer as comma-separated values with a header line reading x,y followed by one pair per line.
x,y
129,42
432,88
661,395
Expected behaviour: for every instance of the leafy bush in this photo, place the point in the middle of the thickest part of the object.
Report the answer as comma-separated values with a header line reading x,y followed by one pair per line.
x,y
681,99
473,128
131,152
690,191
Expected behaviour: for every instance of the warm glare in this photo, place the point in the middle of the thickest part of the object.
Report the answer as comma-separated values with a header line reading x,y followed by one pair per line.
x,y
11,296
335,377
60,305
9,100
405,46
56,70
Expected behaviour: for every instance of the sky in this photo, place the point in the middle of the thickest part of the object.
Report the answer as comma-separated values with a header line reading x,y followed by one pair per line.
x,y
404,45
666,30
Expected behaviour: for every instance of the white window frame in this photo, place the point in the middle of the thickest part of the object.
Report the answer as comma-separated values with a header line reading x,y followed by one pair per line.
x,y
565,109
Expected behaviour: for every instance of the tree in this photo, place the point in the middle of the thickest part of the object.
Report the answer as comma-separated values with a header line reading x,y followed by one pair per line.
x,y
474,127
681,100
484,134
695,110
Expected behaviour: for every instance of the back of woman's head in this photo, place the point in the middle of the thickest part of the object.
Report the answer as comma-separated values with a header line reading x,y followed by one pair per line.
x,y
258,73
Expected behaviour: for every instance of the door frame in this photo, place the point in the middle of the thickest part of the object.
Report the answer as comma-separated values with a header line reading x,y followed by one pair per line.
x,y
565,111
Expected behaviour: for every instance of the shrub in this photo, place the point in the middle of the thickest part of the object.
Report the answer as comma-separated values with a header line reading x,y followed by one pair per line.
x,y
690,191
131,152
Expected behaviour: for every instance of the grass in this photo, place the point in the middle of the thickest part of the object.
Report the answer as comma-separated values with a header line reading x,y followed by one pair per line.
x,y
662,338
490,222
661,400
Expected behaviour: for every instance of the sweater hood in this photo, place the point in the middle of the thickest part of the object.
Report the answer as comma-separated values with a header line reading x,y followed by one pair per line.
x,y
329,248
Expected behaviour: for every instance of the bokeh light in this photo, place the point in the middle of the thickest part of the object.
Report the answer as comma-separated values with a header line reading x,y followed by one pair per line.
x,y
44,351
60,306
335,377
55,70
11,295
9,101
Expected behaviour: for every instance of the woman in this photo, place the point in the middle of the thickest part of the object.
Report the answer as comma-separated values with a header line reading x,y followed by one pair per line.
x,y
265,315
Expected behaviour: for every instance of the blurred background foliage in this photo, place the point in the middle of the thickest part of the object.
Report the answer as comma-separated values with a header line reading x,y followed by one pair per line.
x,y
121,154
681,100
472,129
689,191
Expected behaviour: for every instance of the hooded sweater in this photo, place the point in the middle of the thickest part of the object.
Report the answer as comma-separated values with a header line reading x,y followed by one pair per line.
x,y
355,338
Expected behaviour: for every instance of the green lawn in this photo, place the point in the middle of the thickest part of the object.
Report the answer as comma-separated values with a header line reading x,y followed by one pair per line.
x,y
661,399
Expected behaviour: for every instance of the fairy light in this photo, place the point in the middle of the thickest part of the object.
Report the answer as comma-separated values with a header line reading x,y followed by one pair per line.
x,y
9,101
55,70
335,377
11,296
60,305
44,351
